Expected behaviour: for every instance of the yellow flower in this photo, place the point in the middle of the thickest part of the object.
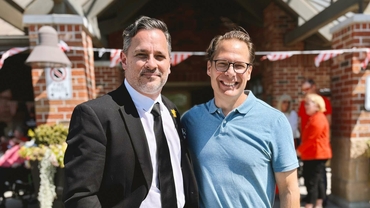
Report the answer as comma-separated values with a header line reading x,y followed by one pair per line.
x,y
173,113
31,133
46,137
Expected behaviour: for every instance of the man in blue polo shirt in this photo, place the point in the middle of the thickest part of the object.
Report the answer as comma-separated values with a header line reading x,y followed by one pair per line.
x,y
241,146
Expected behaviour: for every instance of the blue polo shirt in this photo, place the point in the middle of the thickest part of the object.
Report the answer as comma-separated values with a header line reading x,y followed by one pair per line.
x,y
235,157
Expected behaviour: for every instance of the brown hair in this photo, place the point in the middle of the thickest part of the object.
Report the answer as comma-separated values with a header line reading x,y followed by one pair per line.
x,y
238,34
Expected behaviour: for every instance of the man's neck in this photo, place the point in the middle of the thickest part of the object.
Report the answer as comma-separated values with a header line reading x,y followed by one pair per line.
x,y
227,104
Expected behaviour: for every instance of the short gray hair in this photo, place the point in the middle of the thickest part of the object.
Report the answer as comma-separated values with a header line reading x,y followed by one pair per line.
x,y
144,23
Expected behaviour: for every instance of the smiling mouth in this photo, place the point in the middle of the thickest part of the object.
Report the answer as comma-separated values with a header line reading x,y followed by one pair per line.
x,y
150,74
229,84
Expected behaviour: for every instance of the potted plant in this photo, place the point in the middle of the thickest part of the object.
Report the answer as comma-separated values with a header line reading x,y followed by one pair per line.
x,y
46,152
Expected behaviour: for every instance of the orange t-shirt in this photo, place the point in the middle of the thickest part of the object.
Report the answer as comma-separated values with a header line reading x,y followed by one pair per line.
x,y
304,117
315,143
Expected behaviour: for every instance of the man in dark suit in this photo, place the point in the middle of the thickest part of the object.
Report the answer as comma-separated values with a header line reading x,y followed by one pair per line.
x,y
112,158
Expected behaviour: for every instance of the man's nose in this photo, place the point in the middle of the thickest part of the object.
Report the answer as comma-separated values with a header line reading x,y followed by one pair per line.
x,y
151,62
230,69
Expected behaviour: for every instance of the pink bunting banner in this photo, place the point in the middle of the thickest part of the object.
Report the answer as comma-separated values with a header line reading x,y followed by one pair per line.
x,y
178,57
11,52
114,57
63,45
277,56
367,59
324,56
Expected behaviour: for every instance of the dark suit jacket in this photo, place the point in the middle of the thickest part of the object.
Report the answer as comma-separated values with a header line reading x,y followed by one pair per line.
x,y
107,162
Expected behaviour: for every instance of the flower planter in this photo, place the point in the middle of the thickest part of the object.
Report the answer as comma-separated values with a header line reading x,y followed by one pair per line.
x,y
45,152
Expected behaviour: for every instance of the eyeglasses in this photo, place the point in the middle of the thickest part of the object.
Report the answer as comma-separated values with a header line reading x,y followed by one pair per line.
x,y
224,65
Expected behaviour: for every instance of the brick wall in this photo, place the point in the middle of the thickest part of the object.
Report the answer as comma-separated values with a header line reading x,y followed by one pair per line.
x,y
106,78
350,122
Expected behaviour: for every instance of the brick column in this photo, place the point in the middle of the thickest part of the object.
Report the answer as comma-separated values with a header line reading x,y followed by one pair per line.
x,y
72,29
350,122
279,77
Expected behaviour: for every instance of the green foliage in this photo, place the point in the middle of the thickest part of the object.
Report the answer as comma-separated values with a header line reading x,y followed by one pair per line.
x,y
50,134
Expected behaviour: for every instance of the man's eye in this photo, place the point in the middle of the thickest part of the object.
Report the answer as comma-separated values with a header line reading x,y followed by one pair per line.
x,y
141,55
222,64
239,66
160,57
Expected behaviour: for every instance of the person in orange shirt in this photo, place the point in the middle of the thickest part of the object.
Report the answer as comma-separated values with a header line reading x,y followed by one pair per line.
x,y
309,86
315,150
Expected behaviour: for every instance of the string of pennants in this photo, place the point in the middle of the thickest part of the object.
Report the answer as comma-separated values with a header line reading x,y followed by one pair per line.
x,y
180,56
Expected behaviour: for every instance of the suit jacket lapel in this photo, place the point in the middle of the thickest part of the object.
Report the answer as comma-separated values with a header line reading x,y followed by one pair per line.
x,y
135,130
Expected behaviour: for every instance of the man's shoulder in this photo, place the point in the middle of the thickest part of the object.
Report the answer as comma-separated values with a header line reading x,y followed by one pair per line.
x,y
195,112
265,107
264,114
103,103
98,100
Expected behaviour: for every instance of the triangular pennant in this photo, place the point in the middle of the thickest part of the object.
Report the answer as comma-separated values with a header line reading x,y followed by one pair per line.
x,y
63,45
367,59
324,56
114,57
178,57
277,56
9,53
101,52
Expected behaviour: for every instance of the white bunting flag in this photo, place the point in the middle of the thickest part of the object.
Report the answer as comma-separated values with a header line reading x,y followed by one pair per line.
x,y
101,51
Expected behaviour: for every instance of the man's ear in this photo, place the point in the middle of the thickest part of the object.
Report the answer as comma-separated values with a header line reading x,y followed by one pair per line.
x,y
209,65
123,60
249,71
